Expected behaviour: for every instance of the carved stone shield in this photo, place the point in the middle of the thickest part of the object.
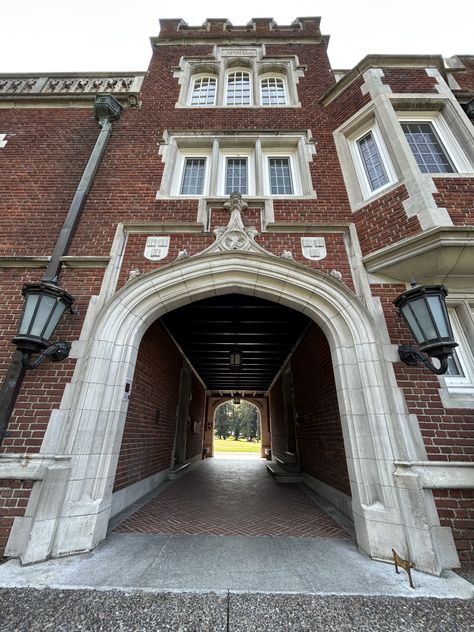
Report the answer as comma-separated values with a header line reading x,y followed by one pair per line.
x,y
313,248
156,248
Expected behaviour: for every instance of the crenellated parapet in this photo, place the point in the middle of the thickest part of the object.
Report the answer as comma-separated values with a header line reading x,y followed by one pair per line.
x,y
177,29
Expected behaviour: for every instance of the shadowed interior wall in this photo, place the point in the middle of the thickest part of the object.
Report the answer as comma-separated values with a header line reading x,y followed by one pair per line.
x,y
148,436
319,431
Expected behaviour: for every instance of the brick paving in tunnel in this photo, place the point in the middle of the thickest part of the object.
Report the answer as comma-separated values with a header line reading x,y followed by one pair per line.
x,y
232,498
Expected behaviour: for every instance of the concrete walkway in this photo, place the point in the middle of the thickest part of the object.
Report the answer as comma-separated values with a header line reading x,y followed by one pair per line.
x,y
202,582
165,559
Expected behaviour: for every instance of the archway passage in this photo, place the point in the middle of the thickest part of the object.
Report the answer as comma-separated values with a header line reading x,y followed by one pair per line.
x,y
185,365
233,498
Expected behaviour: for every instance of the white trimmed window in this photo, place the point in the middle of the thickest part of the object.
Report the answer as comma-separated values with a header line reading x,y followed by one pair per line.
x,y
238,88
433,144
372,163
194,173
273,91
3,142
279,175
203,91
460,374
239,76
236,176
259,165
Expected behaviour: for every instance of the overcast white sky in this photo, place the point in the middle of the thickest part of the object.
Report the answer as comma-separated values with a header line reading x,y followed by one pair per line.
x,y
88,35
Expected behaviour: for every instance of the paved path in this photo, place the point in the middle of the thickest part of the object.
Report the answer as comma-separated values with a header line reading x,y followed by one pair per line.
x,y
233,498
92,611
210,583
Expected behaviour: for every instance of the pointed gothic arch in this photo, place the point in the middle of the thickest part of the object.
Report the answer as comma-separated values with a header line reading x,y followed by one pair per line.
x,y
94,408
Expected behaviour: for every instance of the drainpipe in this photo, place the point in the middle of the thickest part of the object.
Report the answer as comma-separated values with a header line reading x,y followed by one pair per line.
x,y
107,109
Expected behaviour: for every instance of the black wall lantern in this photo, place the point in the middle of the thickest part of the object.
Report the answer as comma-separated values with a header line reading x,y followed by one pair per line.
x,y
237,398
424,311
44,305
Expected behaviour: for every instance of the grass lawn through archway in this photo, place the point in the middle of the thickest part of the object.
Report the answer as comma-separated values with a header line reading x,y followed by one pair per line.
x,y
230,445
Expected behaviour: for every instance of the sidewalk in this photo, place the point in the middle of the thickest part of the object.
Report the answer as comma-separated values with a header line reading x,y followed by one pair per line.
x,y
167,579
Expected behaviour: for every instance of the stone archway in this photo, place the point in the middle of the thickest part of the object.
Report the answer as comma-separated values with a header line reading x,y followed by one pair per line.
x,y
375,433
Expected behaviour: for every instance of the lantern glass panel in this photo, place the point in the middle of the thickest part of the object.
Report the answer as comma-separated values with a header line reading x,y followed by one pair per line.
x,y
438,309
56,315
423,317
410,318
30,306
45,307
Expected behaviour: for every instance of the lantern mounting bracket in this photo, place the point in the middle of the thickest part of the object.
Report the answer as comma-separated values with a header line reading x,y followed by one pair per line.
x,y
411,356
57,352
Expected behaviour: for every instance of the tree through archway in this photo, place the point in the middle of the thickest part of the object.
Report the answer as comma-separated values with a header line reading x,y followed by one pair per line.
x,y
237,427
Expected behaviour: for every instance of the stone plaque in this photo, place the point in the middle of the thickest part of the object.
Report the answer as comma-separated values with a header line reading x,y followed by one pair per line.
x,y
313,248
156,248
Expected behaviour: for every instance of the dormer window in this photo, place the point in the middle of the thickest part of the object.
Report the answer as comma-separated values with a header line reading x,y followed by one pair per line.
x,y
238,90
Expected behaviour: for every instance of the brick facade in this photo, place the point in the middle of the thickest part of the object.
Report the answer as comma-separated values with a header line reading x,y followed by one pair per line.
x,y
14,497
48,145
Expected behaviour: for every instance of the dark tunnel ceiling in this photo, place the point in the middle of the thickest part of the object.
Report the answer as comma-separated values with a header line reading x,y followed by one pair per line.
x,y
207,331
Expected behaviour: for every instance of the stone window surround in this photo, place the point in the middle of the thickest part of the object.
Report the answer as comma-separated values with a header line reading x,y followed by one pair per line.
x,y
456,136
257,148
459,392
371,127
251,59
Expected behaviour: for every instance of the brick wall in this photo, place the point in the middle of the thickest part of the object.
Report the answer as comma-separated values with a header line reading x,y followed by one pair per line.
x,y
447,433
14,497
319,431
456,510
197,415
384,221
409,80
42,164
457,196
350,101
277,420
148,435
465,77
42,388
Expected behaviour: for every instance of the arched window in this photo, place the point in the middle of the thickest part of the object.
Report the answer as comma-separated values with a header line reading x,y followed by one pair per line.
x,y
203,91
238,88
273,91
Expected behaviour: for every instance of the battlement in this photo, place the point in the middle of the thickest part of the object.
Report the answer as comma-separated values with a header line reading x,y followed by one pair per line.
x,y
212,28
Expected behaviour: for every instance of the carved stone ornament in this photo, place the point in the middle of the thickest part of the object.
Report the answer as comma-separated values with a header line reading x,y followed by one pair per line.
x,y
335,274
287,254
313,248
156,248
182,254
133,274
235,236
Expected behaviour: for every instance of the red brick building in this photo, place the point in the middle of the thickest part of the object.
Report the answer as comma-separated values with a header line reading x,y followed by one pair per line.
x,y
352,183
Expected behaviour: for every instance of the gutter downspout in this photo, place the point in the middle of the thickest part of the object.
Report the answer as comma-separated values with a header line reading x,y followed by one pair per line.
x,y
107,109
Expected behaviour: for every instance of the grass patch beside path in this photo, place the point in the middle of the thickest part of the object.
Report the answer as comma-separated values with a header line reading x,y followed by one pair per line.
x,y
230,445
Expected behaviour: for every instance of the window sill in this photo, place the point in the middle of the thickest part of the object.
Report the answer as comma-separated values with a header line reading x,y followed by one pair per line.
x,y
236,107
250,199
450,399
467,174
